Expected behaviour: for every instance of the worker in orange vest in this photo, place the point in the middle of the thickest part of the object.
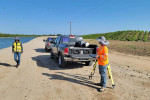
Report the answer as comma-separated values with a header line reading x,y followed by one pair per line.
x,y
102,57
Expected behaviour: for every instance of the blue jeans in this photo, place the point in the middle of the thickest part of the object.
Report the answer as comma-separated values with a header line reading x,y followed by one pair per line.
x,y
102,71
17,54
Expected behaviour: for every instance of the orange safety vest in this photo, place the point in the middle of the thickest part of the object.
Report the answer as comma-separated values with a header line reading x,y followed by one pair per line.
x,y
103,55
17,47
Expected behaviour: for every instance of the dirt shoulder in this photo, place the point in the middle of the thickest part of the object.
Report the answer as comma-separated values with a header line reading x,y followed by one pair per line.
x,y
40,78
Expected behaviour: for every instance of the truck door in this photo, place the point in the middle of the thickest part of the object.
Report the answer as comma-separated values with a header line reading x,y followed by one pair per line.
x,y
56,45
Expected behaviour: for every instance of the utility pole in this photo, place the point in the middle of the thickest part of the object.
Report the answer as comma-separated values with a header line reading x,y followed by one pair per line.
x,y
70,28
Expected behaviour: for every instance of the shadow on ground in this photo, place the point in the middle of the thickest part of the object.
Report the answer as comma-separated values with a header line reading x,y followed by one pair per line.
x,y
6,65
42,50
52,64
74,78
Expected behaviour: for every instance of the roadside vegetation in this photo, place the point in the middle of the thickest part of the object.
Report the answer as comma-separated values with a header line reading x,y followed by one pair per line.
x,y
145,36
129,35
18,35
127,47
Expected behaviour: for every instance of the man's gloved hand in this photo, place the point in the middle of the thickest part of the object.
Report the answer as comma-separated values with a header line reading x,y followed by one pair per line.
x,y
97,56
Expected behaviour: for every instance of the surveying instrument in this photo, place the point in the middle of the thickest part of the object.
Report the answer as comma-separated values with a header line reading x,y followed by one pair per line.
x,y
108,69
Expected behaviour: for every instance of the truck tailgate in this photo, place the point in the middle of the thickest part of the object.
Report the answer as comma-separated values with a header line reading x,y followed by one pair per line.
x,y
82,51
82,57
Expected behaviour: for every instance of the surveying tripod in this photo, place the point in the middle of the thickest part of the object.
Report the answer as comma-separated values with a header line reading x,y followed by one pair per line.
x,y
109,73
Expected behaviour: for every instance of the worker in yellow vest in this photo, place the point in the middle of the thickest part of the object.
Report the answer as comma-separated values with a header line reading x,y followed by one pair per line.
x,y
102,57
17,49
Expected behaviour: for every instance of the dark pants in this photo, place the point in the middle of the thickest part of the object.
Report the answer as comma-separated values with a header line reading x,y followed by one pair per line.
x,y
102,71
17,56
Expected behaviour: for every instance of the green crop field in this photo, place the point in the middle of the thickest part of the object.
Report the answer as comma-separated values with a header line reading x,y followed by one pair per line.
x,y
122,36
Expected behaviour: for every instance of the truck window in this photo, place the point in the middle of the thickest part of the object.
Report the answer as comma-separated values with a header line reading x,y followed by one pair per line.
x,y
53,39
49,39
73,40
58,40
65,39
68,39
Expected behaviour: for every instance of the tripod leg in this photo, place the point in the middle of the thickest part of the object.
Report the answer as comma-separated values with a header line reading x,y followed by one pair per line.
x,y
110,75
93,71
94,67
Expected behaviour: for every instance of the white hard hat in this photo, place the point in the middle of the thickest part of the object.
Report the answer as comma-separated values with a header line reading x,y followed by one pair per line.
x,y
102,40
16,38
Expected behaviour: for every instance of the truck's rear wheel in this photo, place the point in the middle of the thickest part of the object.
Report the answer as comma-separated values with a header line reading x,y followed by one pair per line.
x,y
45,48
88,63
62,63
52,55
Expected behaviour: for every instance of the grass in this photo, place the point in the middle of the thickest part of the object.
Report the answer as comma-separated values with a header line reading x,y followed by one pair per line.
x,y
130,35
145,36
134,47
134,36
128,42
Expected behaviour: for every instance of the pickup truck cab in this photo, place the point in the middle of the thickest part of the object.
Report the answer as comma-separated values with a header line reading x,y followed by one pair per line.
x,y
66,49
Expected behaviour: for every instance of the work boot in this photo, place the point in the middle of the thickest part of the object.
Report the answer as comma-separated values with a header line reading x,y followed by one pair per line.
x,y
102,89
17,65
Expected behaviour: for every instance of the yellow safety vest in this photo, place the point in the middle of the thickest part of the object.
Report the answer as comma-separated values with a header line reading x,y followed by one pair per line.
x,y
17,46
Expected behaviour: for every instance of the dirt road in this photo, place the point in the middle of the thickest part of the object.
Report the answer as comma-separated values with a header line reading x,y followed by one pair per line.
x,y
40,78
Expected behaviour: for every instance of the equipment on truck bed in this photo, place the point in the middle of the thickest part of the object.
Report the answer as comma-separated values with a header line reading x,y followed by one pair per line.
x,y
108,68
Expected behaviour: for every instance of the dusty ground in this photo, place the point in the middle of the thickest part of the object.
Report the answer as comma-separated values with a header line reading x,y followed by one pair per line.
x,y
40,78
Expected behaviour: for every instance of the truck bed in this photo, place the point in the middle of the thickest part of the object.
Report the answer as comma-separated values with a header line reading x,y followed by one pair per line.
x,y
80,51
